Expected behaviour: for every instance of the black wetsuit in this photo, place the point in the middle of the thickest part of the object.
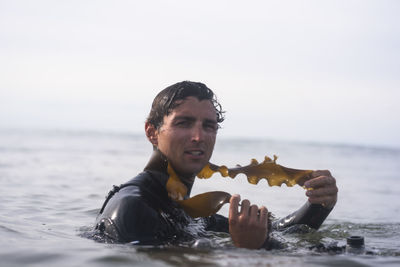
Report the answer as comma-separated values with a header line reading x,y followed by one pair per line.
x,y
141,212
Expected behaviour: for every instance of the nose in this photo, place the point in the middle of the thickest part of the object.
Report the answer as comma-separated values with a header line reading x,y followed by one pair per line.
x,y
197,133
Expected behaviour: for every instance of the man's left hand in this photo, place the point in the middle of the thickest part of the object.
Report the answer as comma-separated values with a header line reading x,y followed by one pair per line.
x,y
249,227
322,189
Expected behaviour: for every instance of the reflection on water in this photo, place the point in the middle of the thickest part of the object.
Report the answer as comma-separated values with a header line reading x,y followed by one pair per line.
x,y
53,183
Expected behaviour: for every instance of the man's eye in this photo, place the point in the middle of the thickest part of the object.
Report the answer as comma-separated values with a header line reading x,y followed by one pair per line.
x,y
211,127
183,123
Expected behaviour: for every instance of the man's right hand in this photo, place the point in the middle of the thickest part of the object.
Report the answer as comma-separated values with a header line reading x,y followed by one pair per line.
x,y
249,227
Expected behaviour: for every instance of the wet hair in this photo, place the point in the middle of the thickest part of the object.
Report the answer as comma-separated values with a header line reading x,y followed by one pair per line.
x,y
168,99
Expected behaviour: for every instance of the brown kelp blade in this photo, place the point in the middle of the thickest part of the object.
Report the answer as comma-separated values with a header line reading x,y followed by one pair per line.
x,y
274,173
209,203
205,204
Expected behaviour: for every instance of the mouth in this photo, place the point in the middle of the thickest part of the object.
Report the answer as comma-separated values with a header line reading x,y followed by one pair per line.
x,y
195,152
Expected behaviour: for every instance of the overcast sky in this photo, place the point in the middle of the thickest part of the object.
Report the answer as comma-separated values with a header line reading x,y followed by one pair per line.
x,y
325,71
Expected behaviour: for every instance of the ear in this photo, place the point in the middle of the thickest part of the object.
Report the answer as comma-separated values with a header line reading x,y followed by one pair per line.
x,y
151,133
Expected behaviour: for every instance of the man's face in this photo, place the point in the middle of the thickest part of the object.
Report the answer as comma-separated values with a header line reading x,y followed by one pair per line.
x,y
187,135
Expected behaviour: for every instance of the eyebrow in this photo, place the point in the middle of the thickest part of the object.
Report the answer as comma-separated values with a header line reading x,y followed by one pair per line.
x,y
190,118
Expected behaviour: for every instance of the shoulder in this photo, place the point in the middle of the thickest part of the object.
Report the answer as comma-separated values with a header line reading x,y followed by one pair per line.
x,y
148,180
131,211
128,210
145,187
128,218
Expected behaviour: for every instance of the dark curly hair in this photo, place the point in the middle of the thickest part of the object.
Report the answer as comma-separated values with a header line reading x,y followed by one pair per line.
x,y
167,100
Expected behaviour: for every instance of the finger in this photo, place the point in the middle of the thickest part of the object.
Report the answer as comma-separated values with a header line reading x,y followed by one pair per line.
x,y
263,218
253,214
324,191
318,173
233,208
320,181
244,209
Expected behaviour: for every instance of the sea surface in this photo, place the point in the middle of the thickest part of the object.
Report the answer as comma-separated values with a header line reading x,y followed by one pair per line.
x,y
53,183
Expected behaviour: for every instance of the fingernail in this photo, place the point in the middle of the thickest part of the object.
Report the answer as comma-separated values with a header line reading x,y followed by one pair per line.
x,y
309,193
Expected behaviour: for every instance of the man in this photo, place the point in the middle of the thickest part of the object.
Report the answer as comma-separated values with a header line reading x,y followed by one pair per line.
x,y
182,127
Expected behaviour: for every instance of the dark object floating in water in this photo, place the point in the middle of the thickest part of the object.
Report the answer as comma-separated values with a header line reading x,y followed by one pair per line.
x,y
355,245
355,241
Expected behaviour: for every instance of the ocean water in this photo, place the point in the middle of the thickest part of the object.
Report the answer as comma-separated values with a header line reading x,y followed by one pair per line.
x,y
53,183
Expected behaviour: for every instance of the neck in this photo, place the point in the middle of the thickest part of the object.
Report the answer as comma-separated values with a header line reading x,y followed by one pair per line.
x,y
159,162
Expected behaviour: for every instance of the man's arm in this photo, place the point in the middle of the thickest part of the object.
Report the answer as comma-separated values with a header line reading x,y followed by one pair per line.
x,y
322,196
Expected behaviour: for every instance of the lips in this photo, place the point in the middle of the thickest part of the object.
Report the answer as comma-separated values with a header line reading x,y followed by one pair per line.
x,y
195,152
